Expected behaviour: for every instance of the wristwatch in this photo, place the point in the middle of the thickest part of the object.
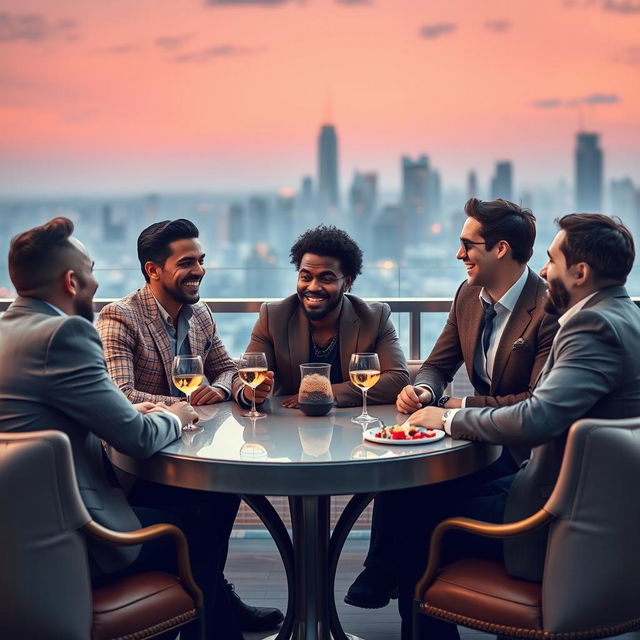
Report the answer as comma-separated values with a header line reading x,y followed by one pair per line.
x,y
443,400
445,415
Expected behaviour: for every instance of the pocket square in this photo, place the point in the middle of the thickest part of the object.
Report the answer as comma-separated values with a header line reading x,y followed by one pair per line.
x,y
519,344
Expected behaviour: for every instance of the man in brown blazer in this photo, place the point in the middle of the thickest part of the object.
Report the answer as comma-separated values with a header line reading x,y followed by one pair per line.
x,y
323,323
142,333
502,363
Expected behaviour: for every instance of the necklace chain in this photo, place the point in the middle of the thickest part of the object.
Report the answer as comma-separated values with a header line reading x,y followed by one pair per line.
x,y
321,352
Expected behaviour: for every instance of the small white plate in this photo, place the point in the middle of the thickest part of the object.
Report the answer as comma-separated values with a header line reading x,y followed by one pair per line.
x,y
369,435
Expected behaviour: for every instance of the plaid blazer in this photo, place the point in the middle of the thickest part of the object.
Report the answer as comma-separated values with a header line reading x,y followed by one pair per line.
x,y
138,353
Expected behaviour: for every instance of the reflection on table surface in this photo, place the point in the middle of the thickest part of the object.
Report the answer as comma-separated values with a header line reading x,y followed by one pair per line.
x,y
288,436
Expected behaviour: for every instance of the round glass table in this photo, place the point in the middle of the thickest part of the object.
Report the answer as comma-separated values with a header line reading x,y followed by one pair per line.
x,y
308,459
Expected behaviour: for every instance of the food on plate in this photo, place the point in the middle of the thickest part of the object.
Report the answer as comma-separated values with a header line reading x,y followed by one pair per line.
x,y
404,432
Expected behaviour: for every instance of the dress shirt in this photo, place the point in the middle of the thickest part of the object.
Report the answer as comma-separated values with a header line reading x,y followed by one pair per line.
x,y
562,320
179,339
503,308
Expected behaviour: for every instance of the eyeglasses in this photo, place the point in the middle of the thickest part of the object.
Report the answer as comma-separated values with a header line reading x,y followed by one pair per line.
x,y
467,244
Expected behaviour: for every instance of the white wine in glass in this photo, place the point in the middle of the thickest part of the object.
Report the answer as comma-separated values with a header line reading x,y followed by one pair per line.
x,y
187,374
252,369
364,371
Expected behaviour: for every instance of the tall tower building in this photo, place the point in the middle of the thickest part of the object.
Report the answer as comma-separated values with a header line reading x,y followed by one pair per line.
x,y
415,184
589,174
502,181
328,192
472,185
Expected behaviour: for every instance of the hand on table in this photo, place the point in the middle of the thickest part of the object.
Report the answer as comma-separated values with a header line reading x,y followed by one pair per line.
x,y
206,394
429,417
411,398
291,403
261,391
185,412
144,407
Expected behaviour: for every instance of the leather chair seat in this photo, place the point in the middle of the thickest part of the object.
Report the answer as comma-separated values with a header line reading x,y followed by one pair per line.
x,y
481,590
147,602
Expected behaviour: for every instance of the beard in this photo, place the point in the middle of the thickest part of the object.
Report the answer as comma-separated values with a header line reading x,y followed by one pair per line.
x,y
558,297
84,309
319,314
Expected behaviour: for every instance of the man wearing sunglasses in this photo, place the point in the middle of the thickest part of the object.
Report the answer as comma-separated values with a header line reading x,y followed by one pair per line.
x,y
498,329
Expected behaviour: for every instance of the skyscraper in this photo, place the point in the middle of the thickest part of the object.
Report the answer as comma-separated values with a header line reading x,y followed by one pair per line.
x,y
328,193
363,194
589,175
502,181
415,183
472,185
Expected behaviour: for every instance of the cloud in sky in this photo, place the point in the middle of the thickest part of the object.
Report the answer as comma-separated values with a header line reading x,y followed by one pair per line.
x,y
218,51
116,50
622,6
355,2
237,3
431,31
498,26
171,43
35,28
593,98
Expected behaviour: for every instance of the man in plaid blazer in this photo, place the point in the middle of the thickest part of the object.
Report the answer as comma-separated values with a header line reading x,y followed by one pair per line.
x,y
142,333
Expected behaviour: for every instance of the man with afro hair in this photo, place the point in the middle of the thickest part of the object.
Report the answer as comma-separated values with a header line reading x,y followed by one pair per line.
x,y
323,322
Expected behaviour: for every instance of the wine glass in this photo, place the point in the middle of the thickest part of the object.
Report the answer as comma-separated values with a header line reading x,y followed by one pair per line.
x,y
187,374
364,371
252,369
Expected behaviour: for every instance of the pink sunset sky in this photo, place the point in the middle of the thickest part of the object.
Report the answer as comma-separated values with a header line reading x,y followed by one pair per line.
x,y
138,95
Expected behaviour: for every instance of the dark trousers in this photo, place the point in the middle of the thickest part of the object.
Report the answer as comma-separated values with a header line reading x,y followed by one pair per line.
x,y
416,512
381,520
207,519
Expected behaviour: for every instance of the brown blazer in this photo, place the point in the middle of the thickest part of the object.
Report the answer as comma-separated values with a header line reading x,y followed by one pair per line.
x,y
138,353
523,349
282,332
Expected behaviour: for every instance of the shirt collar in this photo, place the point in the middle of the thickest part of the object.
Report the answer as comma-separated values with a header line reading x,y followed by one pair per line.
x,y
567,315
185,312
510,298
59,311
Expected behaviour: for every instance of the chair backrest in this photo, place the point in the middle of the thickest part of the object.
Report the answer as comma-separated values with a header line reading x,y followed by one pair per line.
x,y
44,571
592,569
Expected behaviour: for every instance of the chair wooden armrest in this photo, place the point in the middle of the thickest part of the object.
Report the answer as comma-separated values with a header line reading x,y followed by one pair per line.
x,y
138,536
478,527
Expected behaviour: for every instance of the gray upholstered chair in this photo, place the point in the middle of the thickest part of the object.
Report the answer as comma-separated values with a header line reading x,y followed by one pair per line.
x,y
591,580
44,571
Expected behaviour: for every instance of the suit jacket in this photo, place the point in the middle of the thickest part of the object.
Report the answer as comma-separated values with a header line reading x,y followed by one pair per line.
x,y
54,377
282,332
138,353
523,349
593,371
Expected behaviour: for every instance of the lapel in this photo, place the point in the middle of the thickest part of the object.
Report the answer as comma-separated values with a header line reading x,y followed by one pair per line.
x,y
157,330
298,335
348,332
199,331
516,326
469,330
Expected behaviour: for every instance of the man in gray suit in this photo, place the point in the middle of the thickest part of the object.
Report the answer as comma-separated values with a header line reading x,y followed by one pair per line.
x,y
593,370
54,377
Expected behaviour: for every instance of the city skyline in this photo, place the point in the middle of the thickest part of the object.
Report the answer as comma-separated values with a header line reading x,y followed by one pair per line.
x,y
223,95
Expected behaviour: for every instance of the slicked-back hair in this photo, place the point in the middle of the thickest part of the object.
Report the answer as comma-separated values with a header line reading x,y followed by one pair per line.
x,y
504,220
332,242
604,243
154,241
38,256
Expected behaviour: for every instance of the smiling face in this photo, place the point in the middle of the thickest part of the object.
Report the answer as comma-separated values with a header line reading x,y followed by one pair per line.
x,y
556,273
179,278
480,263
321,285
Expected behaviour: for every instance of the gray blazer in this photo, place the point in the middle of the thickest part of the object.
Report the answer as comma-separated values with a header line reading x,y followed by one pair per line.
x,y
54,377
282,332
593,371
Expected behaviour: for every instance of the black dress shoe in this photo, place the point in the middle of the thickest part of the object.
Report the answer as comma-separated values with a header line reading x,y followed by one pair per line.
x,y
253,618
372,589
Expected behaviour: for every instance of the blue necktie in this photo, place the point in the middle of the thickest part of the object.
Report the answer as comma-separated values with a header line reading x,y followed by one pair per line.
x,y
487,322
